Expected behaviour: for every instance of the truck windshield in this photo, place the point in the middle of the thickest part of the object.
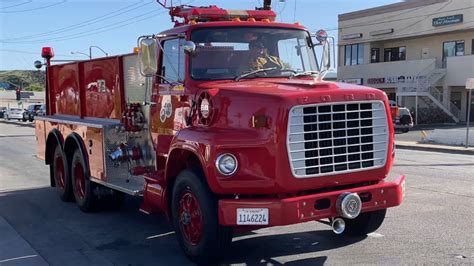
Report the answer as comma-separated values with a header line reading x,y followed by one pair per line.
x,y
227,53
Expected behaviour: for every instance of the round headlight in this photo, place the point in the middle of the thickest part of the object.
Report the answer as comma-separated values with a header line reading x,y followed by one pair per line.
x,y
226,164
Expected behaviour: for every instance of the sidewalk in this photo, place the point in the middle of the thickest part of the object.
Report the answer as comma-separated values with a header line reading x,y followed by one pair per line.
x,y
413,145
14,250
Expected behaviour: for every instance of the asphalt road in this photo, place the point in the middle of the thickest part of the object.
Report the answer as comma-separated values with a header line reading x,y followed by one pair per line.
x,y
433,225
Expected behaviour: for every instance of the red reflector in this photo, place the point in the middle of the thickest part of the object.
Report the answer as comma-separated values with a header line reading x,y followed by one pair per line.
x,y
47,52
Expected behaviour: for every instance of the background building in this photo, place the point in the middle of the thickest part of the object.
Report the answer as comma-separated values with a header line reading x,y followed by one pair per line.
x,y
420,52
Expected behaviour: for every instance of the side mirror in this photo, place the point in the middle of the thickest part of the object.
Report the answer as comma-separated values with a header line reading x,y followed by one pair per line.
x,y
321,36
38,64
189,47
148,57
326,58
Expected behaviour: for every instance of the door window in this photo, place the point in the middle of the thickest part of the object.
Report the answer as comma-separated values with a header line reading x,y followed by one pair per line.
x,y
374,55
173,60
394,54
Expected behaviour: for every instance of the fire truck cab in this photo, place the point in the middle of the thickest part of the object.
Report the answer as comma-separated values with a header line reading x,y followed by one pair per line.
x,y
222,122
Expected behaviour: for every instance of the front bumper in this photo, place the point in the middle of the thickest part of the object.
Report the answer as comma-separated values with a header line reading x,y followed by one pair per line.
x,y
302,209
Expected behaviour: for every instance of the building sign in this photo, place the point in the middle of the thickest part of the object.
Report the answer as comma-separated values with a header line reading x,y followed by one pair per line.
x,y
395,80
448,20
376,81
352,36
352,81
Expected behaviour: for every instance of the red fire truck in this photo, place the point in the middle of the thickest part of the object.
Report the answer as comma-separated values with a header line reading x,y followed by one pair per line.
x,y
222,123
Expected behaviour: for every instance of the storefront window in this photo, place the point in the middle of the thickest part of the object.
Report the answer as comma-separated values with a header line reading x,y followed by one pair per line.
x,y
374,55
354,54
452,48
394,54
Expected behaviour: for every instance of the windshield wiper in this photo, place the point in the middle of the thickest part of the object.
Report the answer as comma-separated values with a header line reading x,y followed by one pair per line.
x,y
305,73
244,75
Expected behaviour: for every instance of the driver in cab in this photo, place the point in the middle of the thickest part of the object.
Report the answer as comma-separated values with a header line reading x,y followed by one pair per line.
x,y
260,58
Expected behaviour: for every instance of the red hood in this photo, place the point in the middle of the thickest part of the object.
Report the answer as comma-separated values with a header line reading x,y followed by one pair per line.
x,y
298,88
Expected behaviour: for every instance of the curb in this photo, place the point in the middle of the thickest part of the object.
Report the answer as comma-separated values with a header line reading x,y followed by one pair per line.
x,y
17,123
434,149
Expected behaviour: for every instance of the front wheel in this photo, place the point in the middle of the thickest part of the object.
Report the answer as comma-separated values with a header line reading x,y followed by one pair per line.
x,y
81,185
194,213
365,223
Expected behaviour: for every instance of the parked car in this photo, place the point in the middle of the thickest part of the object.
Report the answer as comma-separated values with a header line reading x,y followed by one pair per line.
x,y
42,110
2,112
14,113
30,112
404,120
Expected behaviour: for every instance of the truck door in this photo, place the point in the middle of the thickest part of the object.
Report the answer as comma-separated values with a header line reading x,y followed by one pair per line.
x,y
168,94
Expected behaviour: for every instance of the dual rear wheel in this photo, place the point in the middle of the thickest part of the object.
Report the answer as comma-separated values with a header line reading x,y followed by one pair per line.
x,y
72,181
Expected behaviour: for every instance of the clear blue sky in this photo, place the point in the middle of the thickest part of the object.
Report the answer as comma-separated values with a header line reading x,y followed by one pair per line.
x,y
114,25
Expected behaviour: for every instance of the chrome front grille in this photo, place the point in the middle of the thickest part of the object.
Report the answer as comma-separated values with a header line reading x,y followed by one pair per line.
x,y
333,138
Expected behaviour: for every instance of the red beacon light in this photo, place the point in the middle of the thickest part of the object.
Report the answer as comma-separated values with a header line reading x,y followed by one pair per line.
x,y
47,53
214,13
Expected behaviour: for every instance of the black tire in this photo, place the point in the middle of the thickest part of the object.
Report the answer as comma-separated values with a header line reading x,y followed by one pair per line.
x,y
24,119
365,223
61,176
405,130
215,239
83,191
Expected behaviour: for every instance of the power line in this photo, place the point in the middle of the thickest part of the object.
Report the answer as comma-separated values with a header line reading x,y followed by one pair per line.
x,y
29,52
95,31
34,9
20,4
413,24
395,20
410,34
81,24
106,28
382,19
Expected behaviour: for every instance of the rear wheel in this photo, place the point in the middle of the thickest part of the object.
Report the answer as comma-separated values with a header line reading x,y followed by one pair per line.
x,y
365,223
194,211
61,175
81,184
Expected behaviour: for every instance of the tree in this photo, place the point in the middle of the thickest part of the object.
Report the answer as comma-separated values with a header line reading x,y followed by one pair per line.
x,y
35,87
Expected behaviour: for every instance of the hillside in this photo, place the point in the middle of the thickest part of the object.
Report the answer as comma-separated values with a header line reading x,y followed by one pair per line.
x,y
32,80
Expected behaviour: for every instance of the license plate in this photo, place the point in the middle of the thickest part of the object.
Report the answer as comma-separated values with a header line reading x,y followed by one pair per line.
x,y
252,216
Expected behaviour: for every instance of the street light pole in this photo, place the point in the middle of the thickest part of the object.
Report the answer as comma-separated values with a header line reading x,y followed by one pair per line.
x,y
88,55
94,46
